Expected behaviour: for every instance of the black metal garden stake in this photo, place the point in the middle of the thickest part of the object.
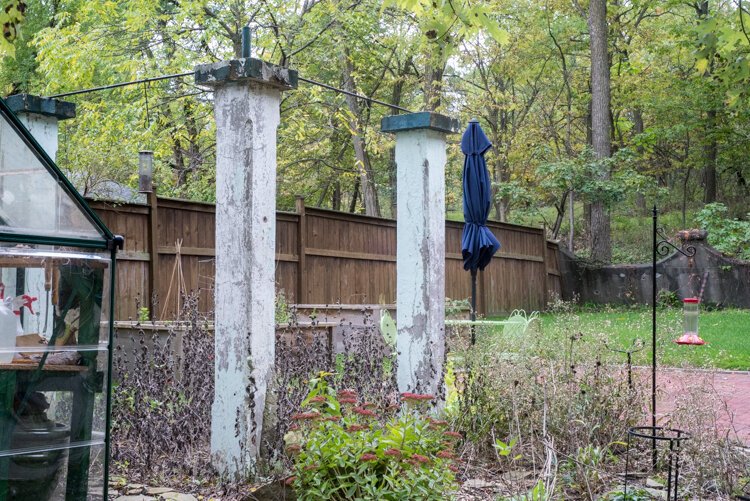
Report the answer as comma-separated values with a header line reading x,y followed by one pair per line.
x,y
661,247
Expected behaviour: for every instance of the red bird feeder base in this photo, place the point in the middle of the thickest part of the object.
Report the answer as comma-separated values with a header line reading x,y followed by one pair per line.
x,y
690,338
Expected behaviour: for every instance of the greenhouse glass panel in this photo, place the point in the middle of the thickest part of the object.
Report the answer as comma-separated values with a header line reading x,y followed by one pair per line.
x,y
34,199
57,270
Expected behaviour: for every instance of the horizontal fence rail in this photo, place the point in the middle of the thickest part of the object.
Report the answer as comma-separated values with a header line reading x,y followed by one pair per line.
x,y
322,257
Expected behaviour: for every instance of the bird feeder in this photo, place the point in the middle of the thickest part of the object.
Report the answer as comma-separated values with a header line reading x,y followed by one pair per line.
x,y
145,171
57,275
690,312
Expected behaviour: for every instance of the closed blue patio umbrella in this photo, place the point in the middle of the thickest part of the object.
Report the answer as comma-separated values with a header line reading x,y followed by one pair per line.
x,y
478,244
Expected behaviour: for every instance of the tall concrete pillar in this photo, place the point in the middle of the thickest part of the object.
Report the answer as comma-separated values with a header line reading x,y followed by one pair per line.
x,y
247,97
41,116
420,247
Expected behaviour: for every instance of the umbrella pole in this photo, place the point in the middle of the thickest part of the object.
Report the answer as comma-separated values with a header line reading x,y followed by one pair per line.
x,y
473,305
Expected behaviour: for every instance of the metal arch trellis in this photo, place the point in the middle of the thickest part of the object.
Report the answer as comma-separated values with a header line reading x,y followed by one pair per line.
x,y
661,247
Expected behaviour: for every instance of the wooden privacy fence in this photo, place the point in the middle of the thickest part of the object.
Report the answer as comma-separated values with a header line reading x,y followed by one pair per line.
x,y
322,257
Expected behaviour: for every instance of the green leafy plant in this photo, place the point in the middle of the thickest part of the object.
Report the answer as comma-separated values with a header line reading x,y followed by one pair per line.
x,y
632,495
537,493
456,307
345,448
143,314
281,308
727,235
504,450
668,299
583,471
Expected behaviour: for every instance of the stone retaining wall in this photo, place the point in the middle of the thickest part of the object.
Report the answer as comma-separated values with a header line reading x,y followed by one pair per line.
x,y
727,281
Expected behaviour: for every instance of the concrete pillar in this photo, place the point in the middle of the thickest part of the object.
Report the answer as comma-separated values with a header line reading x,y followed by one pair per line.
x,y
247,97
420,248
41,116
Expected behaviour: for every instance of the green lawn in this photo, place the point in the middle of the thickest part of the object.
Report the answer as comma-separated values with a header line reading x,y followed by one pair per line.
x,y
726,332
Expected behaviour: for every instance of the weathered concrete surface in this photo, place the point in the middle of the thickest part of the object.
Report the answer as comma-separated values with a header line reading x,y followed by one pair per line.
x,y
420,254
41,106
249,69
726,280
421,120
247,115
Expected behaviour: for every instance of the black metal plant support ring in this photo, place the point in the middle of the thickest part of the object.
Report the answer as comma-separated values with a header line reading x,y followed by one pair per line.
x,y
662,247
636,346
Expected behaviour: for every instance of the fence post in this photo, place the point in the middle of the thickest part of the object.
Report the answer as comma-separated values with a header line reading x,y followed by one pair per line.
x,y
153,251
301,251
420,247
482,306
146,186
247,101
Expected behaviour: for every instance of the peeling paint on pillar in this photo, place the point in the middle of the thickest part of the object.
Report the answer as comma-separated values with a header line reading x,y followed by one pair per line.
x,y
247,116
247,99
420,248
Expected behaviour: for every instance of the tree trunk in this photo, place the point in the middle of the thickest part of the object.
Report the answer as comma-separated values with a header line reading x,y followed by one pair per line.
x,y
560,217
640,198
355,196
711,154
366,173
398,89
571,222
499,163
710,148
336,197
601,126
433,77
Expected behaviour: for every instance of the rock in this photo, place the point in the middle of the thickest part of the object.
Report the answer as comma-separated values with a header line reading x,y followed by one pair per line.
x,y
515,476
133,489
654,484
656,493
177,496
139,497
478,483
117,481
155,491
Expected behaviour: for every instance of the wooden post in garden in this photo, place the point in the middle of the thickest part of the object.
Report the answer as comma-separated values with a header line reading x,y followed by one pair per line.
x,y
247,98
420,247
301,252
146,187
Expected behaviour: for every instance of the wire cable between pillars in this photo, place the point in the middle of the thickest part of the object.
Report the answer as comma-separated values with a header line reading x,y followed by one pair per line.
x,y
121,84
189,73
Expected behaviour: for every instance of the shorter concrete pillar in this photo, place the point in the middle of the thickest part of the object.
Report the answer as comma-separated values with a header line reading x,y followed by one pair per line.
x,y
420,247
41,116
247,98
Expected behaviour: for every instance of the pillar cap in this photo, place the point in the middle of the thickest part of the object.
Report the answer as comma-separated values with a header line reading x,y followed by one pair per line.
x,y
245,70
422,120
37,105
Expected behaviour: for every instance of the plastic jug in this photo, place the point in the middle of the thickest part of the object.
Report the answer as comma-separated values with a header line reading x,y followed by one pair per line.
x,y
8,331
18,303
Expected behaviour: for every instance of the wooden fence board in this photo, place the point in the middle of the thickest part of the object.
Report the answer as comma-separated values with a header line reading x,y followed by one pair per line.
x,y
345,258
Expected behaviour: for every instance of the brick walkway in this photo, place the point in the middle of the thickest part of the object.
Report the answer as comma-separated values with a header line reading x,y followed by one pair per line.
x,y
726,393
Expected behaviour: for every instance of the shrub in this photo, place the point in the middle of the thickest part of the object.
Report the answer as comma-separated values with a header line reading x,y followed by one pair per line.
x,y
347,448
161,412
552,397
361,360
729,236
